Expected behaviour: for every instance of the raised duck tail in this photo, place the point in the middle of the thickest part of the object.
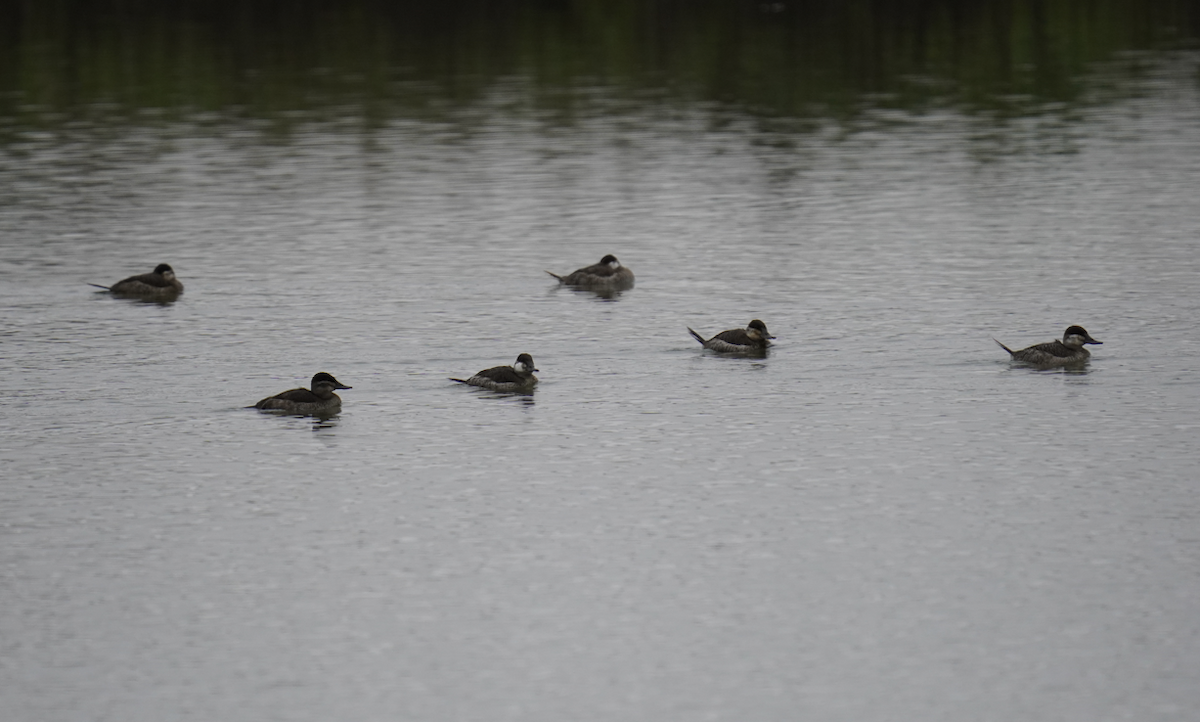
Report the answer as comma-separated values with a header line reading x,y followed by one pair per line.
x,y
1006,348
697,336
560,278
97,285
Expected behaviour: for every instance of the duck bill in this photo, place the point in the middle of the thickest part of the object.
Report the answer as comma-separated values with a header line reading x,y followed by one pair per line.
x,y
339,386
1092,340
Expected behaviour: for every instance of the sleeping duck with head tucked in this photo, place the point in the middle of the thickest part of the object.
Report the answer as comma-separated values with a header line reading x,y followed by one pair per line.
x,y
607,275
320,399
161,283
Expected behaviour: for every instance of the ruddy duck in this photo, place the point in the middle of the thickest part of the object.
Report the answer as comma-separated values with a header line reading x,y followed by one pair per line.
x,y
1056,353
753,338
518,377
159,284
607,274
320,400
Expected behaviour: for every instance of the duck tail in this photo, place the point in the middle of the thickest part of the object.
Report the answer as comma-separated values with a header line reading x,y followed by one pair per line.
x,y
97,285
697,336
560,278
1006,348
461,381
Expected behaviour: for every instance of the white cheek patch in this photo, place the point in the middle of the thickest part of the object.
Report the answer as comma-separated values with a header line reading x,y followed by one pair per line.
x,y
614,265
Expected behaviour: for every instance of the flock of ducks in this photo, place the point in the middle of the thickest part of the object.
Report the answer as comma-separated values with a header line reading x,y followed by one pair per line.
x,y
607,276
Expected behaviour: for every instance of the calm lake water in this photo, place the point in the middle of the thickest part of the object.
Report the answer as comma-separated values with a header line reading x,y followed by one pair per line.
x,y
881,520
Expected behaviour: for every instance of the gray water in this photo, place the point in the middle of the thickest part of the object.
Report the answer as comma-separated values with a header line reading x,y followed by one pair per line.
x,y
881,520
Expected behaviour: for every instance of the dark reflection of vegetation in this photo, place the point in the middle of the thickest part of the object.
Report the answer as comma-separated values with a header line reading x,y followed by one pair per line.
x,y
376,60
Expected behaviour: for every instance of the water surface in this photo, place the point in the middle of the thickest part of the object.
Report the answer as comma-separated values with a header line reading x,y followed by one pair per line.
x,y
880,520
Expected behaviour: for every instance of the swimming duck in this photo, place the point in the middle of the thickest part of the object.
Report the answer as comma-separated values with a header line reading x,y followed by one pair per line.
x,y
753,338
607,274
159,284
319,400
1068,351
518,377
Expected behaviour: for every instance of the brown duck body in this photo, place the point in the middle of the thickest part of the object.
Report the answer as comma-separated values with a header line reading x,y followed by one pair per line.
x,y
753,339
161,283
1069,351
320,399
1054,353
518,377
607,274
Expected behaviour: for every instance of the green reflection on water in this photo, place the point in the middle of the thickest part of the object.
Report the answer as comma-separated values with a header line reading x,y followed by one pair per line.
x,y
375,61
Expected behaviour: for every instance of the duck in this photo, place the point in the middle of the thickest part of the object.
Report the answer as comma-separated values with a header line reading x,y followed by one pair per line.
x,y
161,283
753,338
320,399
1070,350
608,274
518,377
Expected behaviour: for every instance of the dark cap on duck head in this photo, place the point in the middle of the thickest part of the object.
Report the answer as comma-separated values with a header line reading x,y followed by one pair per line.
x,y
328,379
526,360
1081,331
760,327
